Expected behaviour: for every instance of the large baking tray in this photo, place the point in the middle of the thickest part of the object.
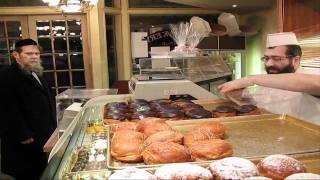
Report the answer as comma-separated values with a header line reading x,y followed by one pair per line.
x,y
255,137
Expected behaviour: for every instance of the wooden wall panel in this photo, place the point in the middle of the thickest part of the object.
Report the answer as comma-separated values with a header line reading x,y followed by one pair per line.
x,y
302,17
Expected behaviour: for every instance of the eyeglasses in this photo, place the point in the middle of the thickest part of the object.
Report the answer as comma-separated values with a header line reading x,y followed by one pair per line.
x,y
274,58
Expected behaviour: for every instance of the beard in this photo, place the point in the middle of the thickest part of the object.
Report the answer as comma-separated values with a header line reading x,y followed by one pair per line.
x,y
33,67
274,70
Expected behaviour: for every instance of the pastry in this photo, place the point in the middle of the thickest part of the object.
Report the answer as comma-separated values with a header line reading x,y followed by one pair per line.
x,y
210,150
142,115
305,176
171,114
132,173
117,116
279,166
151,128
248,110
182,103
189,107
149,120
198,113
126,126
138,103
164,136
205,131
257,178
182,171
161,101
125,145
114,105
165,152
233,168
224,111
110,121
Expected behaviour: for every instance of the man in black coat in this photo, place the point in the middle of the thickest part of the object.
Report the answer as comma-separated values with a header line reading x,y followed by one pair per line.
x,y
27,113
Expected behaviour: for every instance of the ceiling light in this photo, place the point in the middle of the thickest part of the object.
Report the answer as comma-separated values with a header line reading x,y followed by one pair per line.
x,y
234,5
71,6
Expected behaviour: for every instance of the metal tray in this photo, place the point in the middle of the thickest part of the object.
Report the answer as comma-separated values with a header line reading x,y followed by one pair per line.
x,y
255,137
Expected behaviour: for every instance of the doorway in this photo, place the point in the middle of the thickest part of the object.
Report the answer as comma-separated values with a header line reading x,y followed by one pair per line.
x,y
63,39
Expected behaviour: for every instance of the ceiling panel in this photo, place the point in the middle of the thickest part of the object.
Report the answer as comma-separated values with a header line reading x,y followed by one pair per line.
x,y
243,6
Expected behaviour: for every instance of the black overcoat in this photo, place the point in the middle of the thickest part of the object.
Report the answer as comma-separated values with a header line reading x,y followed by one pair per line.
x,y
26,110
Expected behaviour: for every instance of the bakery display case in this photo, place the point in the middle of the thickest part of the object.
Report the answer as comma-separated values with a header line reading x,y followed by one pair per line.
x,y
85,150
205,71
70,101
195,69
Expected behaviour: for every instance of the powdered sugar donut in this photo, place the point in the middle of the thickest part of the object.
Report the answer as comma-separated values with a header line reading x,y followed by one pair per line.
x,y
182,171
305,176
233,168
279,166
132,173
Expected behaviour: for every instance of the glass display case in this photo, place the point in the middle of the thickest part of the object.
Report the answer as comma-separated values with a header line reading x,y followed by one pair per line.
x,y
206,71
82,152
195,69
83,134
70,101
233,58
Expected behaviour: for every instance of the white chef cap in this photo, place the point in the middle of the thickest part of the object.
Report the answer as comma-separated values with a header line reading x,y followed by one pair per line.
x,y
281,39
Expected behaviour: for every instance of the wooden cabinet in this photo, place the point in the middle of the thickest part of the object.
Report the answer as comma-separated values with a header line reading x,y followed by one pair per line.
x,y
223,42
302,17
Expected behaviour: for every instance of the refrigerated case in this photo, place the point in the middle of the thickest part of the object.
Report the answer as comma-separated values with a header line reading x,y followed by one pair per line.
x,y
278,129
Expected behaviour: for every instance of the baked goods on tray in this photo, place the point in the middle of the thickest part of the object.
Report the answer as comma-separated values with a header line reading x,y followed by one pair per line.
x,y
279,166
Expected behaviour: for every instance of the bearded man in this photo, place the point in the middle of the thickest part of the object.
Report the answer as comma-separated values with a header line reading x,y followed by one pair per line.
x,y
27,113
281,60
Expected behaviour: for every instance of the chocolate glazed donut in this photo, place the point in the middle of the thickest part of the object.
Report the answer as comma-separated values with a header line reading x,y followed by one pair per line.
x,y
248,110
224,111
171,114
199,113
142,115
